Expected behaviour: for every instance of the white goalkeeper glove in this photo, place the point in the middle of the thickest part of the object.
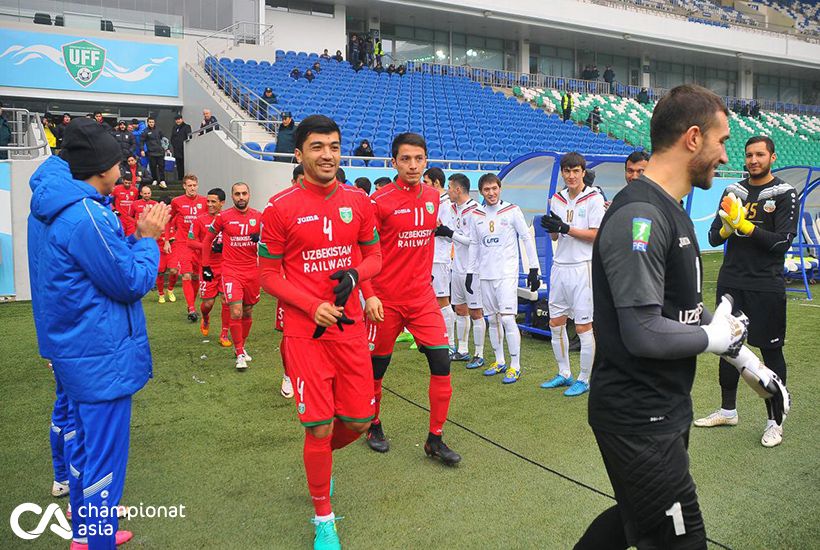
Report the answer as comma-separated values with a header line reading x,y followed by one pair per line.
x,y
763,381
726,333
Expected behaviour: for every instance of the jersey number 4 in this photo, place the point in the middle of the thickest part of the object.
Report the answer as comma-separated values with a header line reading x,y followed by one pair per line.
x,y
327,228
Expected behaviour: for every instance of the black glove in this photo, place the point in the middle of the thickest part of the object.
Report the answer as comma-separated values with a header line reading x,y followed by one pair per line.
x,y
348,279
255,237
532,279
216,246
468,283
443,231
207,273
554,224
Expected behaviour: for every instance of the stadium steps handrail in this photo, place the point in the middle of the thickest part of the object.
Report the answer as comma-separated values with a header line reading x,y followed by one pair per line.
x,y
27,135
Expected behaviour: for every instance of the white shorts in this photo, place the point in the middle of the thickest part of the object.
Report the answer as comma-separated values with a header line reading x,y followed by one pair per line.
x,y
571,292
500,296
441,280
459,294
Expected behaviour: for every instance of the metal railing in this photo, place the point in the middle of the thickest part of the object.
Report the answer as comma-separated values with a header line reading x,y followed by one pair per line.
x,y
237,125
28,138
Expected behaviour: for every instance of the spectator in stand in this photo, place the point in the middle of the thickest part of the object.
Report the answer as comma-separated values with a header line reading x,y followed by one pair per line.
x,y
58,132
266,101
353,50
754,112
125,139
317,68
99,118
378,50
594,119
401,70
609,78
309,76
285,137
5,134
381,182
49,129
338,57
296,74
364,150
567,103
364,184
179,135
208,120
594,74
378,68
358,65
736,107
132,167
391,69
152,148
325,55
744,111
643,97
368,51
585,74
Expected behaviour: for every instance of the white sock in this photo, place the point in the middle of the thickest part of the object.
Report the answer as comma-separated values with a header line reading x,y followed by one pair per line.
x,y
513,340
587,354
770,423
728,413
319,519
462,332
449,320
479,330
496,339
286,377
560,348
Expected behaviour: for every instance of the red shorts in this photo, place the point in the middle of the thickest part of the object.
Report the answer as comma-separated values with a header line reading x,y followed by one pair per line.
x,y
182,258
208,290
243,289
279,324
423,320
331,379
164,260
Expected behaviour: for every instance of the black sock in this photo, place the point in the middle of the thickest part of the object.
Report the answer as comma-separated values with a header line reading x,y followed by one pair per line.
x,y
728,399
433,438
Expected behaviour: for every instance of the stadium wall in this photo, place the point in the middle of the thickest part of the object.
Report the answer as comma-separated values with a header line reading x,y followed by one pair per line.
x,y
308,33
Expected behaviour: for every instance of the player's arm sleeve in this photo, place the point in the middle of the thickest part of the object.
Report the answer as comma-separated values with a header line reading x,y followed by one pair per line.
x,y
369,245
523,231
647,333
193,240
474,251
122,271
785,226
714,230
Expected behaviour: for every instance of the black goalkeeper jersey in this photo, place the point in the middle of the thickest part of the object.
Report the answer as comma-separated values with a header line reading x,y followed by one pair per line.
x,y
755,262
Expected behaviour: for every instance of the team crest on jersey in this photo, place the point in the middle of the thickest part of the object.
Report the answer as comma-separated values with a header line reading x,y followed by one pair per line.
x,y
430,207
252,222
301,408
768,206
371,346
346,213
641,228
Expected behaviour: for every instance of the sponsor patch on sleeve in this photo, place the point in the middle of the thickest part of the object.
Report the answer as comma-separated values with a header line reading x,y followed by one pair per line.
x,y
641,229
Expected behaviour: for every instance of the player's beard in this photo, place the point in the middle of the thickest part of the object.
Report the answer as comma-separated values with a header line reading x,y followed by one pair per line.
x,y
701,171
240,205
764,173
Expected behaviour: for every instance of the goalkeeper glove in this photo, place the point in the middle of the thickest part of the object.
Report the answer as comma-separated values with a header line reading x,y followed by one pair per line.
x,y
444,231
348,279
726,333
468,283
554,224
207,273
733,213
216,246
764,382
532,279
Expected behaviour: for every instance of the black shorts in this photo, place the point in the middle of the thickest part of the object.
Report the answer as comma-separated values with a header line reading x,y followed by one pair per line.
x,y
655,492
766,312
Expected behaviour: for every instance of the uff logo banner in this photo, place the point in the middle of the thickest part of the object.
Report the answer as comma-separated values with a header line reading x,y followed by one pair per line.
x,y
68,62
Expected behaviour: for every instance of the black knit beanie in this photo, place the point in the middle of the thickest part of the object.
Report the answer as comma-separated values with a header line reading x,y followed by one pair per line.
x,y
89,148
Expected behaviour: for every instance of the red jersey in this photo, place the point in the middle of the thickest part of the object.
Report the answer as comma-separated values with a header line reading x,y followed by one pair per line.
x,y
238,245
124,198
197,232
139,206
316,232
406,220
184,211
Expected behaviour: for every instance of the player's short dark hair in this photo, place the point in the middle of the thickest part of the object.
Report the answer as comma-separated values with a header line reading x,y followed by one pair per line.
x,y
636,156
299,170
573,160
97,113
435,174
761,139
487,179
240,183
364,184
126,176
150,118
680,109
381,182
315,124
461,180
220,194
407,138
340,175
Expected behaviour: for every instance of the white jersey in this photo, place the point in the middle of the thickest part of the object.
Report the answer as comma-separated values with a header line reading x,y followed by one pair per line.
x,y
443,246
461,216
585,211
494,252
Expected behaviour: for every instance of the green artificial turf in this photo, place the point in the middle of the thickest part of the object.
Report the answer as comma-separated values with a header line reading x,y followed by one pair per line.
x,y
227,446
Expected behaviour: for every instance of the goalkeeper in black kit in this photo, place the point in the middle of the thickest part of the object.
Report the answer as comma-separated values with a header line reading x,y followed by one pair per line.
x,y
757,219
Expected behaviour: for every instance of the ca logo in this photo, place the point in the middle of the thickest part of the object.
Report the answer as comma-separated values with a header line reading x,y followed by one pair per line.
x,y
62,528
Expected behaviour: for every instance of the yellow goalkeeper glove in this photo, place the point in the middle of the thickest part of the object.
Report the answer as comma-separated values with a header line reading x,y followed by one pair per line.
x,y
733,214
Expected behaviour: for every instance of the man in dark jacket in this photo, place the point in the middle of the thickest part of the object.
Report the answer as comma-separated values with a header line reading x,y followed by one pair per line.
x,y
609,78
101,121
643,97
89,320
152,148
180,134
208,121
285,137
594,119
364,150
125,139
5,134
60,129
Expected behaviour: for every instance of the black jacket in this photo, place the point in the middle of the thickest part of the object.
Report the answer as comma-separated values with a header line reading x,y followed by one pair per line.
x,y
609,75
178,136
205,123
362,152
126,141
152,142
286,138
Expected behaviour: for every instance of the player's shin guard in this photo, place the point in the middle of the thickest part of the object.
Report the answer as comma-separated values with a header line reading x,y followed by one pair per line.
x,y
764,382
318,457
513,340
449,322
238,336
247,322
479,330
462,332
560,348
496,339
161,283
587,354
342,435
440,392
172,281
190,293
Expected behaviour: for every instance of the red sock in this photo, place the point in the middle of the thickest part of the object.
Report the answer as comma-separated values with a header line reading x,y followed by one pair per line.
x,y
226,319
161,283
205,308
377,393
282,353
342,435
172,281
237,335
190,293
318,458
440,392
246,327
